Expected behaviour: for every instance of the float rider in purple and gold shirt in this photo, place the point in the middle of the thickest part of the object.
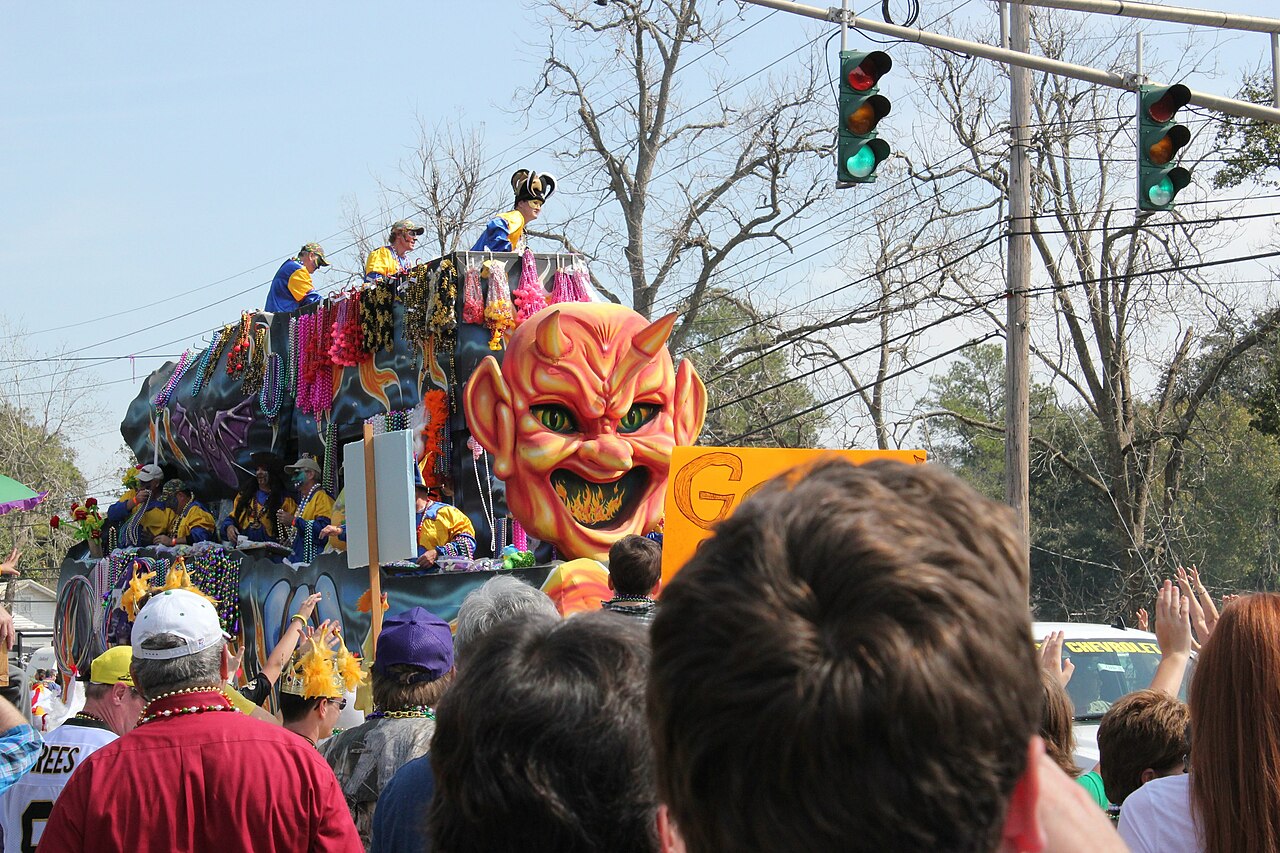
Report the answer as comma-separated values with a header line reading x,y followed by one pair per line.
x,y
292,288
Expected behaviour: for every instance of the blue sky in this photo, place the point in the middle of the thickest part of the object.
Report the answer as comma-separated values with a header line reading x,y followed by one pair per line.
x,y
153,150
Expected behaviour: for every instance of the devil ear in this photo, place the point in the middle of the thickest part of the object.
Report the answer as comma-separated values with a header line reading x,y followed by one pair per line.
x,y
690,404
486,401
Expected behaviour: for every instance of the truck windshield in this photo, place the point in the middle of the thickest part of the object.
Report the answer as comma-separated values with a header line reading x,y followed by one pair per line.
x,y
1108,669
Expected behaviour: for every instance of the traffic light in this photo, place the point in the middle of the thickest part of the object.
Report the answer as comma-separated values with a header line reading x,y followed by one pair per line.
x,y
858,151
1159,141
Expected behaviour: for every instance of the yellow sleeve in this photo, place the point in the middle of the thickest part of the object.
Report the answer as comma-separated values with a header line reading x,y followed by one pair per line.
x,y
320,505
300,283
290,506
381,262
457,521
238,699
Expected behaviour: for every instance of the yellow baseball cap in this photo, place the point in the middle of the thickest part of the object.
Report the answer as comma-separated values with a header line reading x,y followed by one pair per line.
x,y
112,666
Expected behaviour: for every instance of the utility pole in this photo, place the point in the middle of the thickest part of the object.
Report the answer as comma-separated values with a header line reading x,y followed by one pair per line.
x,y
1017,344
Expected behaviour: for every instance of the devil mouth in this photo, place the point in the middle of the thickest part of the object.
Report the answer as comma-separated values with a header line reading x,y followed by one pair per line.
x,y
599,506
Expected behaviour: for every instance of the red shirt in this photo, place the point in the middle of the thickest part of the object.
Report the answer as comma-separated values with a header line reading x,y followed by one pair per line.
x,y
215,782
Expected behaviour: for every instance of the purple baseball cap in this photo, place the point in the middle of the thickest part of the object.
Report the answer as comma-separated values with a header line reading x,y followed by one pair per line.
x,y
416,637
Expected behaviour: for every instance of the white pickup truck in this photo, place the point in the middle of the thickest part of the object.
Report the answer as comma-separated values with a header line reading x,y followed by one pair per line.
x,y
1109,662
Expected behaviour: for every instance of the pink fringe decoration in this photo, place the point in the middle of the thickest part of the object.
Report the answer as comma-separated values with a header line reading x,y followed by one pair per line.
x,y
347,347
518,537
472,296
530,298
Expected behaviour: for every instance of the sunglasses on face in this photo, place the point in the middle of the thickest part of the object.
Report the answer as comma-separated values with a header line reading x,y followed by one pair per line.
x,y
341,703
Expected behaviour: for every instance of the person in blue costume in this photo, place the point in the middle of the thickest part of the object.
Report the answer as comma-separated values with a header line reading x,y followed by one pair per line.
x,y
292,288
141,514
443,530
253,514
315,509
192,522
505,233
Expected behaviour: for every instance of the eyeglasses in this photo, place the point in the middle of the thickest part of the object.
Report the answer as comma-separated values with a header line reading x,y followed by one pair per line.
x,y
341,703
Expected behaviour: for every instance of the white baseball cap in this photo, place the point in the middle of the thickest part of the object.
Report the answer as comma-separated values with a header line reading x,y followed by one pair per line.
x,y
177,611
150,472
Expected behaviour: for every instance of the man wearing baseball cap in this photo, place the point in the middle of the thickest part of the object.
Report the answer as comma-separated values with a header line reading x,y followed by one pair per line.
x,y
412,669
292,288
141,514
301,528
111,708
195,775
392,259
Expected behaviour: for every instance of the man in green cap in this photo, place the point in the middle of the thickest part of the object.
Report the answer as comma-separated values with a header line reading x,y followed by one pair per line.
x,y
393,258
292,287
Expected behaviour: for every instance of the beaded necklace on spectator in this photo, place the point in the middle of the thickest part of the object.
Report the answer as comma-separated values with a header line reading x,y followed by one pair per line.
x,y
410,713
178,712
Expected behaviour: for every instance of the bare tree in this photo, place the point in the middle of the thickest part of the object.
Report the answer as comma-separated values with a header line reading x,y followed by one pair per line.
x,y
1123,303
684,188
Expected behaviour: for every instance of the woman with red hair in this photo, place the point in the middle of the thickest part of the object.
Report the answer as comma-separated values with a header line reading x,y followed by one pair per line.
x,y
1230,801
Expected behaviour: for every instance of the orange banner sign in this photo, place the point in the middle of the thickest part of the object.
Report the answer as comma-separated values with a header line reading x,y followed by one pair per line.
x,y
707,483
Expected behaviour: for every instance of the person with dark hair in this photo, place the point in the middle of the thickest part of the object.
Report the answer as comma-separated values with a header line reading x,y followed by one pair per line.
x,y
112,705
1143,736
412,670
260,497
542,745
1229,801
195,775
847,665
635,567
399,823
313,690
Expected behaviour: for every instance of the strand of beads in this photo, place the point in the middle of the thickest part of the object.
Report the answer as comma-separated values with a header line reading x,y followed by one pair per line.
x,y
255,363
166,393
180,712
291,379
271,396
410,713
330,474
209,360
444,299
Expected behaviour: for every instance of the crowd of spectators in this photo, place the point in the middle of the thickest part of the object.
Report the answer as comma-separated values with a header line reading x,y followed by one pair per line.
x,y
845,664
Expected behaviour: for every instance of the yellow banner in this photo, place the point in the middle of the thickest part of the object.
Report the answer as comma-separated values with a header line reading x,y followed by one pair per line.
x,y
707,483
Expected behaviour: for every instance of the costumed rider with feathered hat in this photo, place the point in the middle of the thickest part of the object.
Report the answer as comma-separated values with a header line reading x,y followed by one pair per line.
x,y
506,232
314,687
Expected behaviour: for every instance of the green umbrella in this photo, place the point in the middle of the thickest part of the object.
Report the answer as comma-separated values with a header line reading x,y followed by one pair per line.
x,y
15,496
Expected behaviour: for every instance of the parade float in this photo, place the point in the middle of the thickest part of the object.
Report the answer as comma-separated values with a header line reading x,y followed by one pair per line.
x,y
547,418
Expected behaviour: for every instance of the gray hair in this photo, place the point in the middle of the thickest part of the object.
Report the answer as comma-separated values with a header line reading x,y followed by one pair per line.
x,y
499,599
199,669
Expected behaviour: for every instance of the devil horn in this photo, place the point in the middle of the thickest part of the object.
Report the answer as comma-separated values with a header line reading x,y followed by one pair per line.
x,y
551,342
645,346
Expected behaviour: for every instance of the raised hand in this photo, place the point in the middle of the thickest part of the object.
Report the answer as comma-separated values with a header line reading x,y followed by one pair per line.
x,y
1052,660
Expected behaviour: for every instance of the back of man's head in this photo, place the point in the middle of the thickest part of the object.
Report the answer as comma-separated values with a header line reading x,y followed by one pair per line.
x,y
1141,737
542,744
847,664
635,564
494,602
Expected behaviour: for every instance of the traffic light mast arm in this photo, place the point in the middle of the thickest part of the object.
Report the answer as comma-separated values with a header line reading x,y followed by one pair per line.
x,y
1171,14
1230,106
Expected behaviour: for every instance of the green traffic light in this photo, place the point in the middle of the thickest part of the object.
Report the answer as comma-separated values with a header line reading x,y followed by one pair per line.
x,y
1161,193
863,163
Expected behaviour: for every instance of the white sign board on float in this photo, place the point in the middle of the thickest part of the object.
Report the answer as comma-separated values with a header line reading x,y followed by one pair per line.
x,y
393,480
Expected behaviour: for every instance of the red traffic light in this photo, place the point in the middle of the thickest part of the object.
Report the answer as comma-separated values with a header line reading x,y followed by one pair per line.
x,y
868,72
1174,98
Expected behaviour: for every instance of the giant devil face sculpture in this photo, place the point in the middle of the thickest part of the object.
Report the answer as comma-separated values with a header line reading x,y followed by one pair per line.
x,y
581,418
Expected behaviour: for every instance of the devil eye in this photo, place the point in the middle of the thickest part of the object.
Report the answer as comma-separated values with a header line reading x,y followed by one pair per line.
x,y
555,418
637,416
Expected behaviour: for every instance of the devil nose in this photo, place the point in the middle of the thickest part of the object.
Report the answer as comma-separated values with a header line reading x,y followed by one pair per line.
x,y
607,455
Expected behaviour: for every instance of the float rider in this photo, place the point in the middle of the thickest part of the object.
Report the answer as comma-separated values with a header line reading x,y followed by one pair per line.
x,y
505,233
292,287
192,521
443,530
315,509
392,259
141,513
253,513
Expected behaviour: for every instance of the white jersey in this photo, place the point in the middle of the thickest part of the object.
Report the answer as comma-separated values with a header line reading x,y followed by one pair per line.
x,y
25,807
